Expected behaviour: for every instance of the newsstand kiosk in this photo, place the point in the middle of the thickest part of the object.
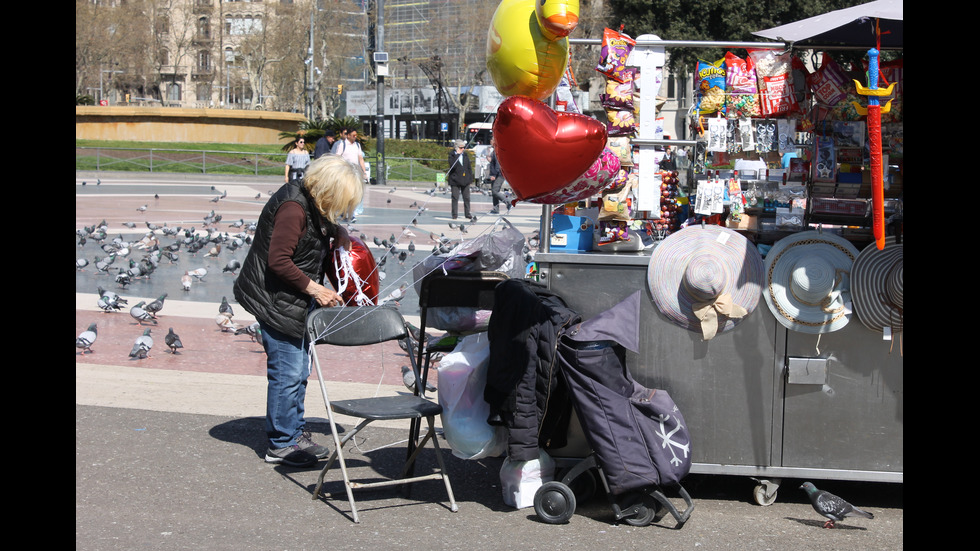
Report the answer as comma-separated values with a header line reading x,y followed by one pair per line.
x,y
762,400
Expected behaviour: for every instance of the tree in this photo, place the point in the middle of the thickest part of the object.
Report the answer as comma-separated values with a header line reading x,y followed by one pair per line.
x,y
728,20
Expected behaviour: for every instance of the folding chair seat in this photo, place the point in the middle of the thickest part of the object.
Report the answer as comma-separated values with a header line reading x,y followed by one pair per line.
x,y
361,326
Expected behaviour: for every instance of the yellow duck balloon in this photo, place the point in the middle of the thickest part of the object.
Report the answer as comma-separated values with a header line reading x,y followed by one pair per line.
x,y
527,45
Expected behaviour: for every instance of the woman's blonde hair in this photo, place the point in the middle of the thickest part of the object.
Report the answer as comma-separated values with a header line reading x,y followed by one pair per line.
x,y
335,186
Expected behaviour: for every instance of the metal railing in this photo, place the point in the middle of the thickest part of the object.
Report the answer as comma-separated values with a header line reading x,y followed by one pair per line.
x,y
231,162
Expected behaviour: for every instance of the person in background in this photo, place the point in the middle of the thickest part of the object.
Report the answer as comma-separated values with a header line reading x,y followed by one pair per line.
x,y
324,144
297,160
496,182
280,282
459,177
350,149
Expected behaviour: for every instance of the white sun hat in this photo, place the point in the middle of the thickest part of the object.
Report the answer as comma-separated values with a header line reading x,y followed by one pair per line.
x,y
807,281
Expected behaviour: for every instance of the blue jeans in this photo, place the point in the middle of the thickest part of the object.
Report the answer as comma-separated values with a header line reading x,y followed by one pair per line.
x,y
288,368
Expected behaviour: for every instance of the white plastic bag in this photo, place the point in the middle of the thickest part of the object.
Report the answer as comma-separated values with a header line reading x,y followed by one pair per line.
x,y
462,377
520,480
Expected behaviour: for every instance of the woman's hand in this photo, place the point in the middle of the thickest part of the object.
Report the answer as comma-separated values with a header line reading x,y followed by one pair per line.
x,y
324,296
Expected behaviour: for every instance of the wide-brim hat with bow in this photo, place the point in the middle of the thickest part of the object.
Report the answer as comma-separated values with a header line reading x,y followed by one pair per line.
x,y
807,283
876,286
705,278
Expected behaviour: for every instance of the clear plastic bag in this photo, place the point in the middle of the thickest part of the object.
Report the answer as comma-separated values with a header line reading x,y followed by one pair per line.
x,y
462,376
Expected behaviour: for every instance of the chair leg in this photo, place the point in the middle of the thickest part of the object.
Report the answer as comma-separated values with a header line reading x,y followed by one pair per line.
x,y
442,464
339,454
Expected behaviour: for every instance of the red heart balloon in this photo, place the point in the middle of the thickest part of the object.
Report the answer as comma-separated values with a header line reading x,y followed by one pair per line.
x,y
355,274
541,150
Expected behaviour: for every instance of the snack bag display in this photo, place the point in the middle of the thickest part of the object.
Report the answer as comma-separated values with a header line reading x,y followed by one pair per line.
x,y
828,83
710,82
616,48
775,74
742,86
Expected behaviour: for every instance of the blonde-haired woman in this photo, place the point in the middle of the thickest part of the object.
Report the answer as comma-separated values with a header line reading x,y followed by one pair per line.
x,y
280,281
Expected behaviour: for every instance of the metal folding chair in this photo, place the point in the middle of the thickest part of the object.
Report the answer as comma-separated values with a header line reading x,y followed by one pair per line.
x,y
360,326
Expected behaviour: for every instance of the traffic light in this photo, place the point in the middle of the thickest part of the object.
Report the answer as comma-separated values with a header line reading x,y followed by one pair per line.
x,y
340,89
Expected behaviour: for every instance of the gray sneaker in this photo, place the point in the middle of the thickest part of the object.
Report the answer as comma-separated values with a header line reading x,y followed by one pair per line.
x,y
292,456
306,443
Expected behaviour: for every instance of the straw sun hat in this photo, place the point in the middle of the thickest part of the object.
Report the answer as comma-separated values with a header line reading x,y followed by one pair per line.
x,y
807,285
876,286
705,278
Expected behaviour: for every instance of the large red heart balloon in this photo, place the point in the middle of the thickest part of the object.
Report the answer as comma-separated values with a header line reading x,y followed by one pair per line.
x,y
541,150
355,274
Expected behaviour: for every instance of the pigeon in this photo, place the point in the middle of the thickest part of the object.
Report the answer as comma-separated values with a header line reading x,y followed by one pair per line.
x,y
232,266
86,339
157,305
199,273
173,341
109,301
225,322
408,377
252,331
831,506
186,280
225,308
81,263
142,346
139,313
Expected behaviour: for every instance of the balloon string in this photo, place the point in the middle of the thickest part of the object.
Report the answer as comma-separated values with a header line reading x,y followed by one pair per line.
x,y
346,321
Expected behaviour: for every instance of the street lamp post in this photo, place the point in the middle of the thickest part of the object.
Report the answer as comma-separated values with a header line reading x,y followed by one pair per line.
x,y
380,56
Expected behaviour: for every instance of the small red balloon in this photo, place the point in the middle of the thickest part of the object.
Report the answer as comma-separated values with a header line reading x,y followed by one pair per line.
x,y
541,150
354,274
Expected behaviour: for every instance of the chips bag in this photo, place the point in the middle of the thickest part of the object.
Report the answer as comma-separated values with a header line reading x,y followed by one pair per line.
x,y
616,48
828,83
710,81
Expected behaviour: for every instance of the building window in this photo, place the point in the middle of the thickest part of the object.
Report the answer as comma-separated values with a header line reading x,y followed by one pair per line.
x,y
204,61
173,92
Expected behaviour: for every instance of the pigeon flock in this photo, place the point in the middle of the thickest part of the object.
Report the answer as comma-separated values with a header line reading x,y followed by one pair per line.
x,y
209,255
120,266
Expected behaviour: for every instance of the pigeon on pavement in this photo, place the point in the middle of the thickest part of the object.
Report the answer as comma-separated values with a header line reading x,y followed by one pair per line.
x,y
173,341
232,266
225,308
186,280
142,346
224,321
87,338
110,301
251,330
139,313
157,305
408,377
831,506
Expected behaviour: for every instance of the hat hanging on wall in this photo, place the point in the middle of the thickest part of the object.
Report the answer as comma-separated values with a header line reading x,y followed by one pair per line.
x,y
876,286
807,283
705,278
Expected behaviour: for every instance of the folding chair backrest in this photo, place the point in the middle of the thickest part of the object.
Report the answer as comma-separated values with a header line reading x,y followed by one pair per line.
x,y
459,288
355,325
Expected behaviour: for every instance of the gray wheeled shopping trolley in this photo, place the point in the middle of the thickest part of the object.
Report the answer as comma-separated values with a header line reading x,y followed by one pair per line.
x,y
637,436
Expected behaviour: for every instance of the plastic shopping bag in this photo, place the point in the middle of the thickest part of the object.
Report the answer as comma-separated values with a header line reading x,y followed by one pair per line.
x,y
462,376
520,480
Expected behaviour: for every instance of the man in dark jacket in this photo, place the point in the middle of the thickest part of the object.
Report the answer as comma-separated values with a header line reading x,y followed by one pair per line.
x,y
460,177
324,144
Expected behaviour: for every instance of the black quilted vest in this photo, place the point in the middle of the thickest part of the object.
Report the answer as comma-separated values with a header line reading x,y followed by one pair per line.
x,y
259,290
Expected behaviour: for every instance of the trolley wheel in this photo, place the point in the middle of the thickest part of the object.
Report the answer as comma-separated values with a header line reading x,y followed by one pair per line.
x,y
765,492
646,512
554,502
